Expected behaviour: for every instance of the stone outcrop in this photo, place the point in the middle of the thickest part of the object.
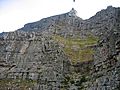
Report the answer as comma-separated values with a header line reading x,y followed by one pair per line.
x,y
63,52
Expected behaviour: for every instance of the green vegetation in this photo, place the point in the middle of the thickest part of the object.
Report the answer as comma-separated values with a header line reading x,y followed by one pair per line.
x,y
78,81
82,80
78,50
16,84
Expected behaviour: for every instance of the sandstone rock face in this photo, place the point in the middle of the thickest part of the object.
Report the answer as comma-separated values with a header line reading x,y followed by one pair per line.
x,y
63,52
37,57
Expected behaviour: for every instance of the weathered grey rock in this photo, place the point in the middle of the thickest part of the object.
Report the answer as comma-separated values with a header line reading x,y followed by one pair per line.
x,y
30,55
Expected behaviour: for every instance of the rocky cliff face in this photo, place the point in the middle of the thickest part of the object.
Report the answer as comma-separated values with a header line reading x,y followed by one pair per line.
x,y
63,52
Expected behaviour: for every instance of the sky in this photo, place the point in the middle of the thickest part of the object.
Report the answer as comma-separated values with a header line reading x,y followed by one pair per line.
x,y
15,13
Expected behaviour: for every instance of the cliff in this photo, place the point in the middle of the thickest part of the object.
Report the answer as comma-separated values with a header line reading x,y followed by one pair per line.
x,y
63,52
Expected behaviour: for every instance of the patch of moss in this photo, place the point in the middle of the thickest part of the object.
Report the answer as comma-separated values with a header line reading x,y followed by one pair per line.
x,y
78,50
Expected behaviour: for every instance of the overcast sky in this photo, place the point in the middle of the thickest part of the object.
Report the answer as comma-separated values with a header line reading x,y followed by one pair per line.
x,y
15,13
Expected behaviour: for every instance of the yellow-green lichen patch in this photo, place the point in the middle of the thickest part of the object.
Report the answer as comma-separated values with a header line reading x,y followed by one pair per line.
x,y
78,50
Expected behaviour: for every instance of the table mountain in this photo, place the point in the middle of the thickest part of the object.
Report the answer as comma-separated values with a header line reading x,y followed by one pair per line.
x,y
63,52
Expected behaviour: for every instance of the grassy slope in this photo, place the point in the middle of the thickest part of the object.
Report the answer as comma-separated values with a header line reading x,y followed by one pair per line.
x,y
77,50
